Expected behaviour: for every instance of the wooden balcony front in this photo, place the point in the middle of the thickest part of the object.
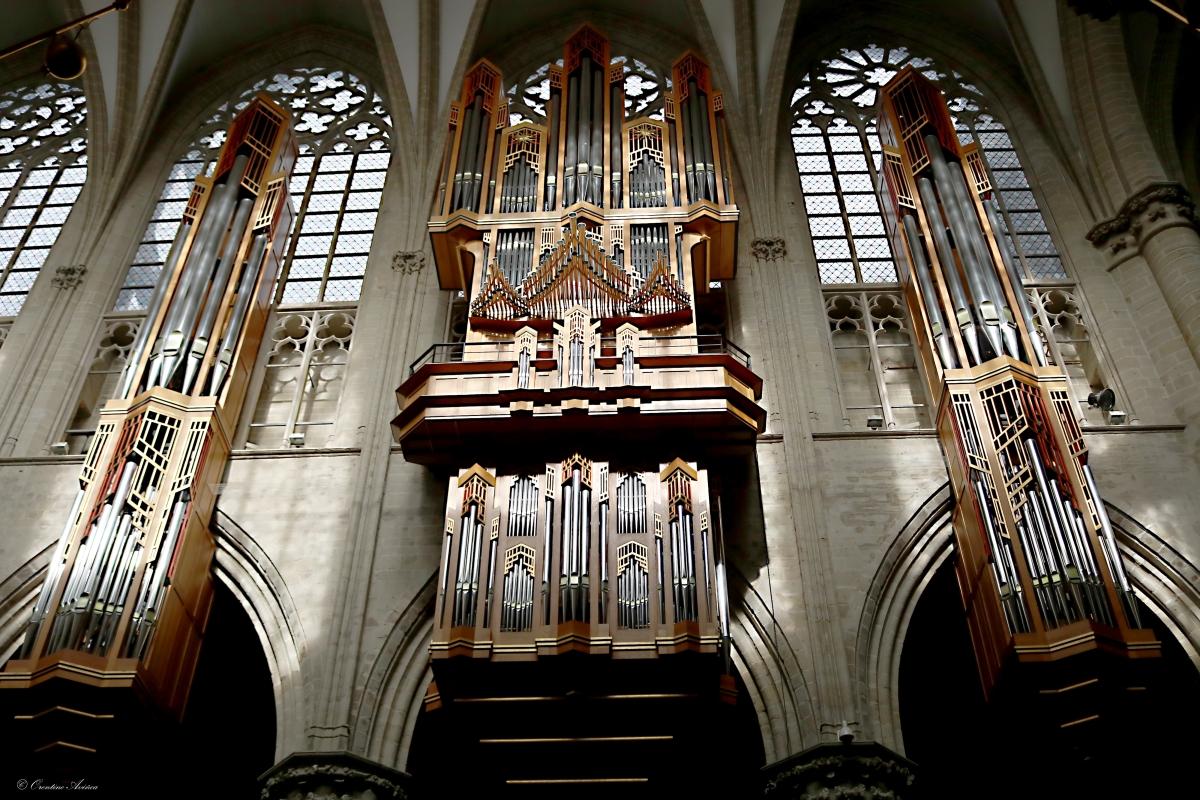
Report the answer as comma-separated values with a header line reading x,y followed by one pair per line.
x,y
695,394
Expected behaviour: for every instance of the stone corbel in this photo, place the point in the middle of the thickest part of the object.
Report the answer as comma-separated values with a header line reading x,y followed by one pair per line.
x,y
408,263
769,249
333,774
68,277
1146,213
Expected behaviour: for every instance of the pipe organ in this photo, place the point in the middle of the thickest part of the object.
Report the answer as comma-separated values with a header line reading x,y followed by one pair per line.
x,y
579,421
1039,569
126,598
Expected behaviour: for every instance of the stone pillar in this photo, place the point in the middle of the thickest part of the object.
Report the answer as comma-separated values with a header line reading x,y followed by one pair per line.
x,y
1155,218
1158,223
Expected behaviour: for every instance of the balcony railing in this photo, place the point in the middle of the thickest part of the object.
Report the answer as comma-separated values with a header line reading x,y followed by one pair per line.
x,y
648,346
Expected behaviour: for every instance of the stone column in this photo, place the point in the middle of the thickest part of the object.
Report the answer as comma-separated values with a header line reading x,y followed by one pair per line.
x,y
1155,218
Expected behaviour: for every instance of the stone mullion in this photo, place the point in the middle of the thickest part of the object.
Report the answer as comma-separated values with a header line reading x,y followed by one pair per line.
x,y
337,228
295,234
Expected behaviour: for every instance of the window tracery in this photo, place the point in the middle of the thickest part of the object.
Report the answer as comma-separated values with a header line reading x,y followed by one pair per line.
x,y
343,130
838,158
644,84
43,166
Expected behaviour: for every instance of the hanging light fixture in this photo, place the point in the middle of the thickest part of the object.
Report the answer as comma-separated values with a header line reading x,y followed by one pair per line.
x,y
64,58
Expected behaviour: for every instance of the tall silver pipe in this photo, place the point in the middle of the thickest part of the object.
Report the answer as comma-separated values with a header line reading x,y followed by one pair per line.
x,y
933,304
985,304
198,274
216,293
987,267
245,294
571,154
199,244
583,179
1018,287
1114,555
962,309
152,308
598,136
53,572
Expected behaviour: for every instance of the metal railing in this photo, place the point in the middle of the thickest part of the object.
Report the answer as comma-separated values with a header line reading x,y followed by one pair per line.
x,y
458,352
704,344
701,344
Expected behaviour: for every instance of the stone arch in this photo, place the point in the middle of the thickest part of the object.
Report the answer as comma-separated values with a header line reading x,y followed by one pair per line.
x,y
243,566
395,686
771,671
1162,577
921,545
18,594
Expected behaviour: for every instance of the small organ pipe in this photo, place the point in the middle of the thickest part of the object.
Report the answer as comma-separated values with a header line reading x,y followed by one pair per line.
x,y
962,309
932,302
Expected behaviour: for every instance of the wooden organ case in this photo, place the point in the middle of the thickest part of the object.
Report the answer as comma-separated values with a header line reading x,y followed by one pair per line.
x,y
1049,606
582,538
116,631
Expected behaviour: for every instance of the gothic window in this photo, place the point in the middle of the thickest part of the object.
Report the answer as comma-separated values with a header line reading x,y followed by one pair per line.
x,y
343,131
838,156
43,165
644,85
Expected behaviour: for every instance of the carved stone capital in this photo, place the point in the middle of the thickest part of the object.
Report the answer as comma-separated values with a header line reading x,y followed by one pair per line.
x,y
768,249
334,774
408,263
1152,209
69,277
859,769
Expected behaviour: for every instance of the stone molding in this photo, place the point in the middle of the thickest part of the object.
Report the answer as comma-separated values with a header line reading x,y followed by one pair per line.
x,y
333,774
1148,211
68,277
769,249
408,263
835,770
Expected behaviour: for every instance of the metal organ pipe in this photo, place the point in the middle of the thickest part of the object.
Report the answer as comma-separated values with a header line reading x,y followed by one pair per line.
x,y
985,303
156,368
705,133
53,572
465,151
1018,287
552,122
200,274
597,145
216,293
983,254
1115,564
571,156
477,163
245,293
583,177
962,309
152,309
616,111
933,305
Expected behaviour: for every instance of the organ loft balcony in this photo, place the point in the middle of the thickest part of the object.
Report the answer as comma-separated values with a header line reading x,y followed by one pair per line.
x,y
591,255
